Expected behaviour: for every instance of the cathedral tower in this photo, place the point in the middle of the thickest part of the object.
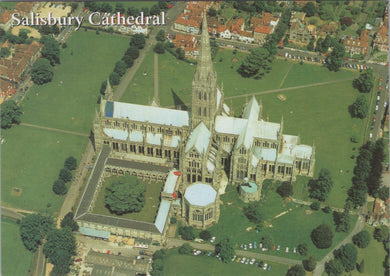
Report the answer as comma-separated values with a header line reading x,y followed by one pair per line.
x,y
204,84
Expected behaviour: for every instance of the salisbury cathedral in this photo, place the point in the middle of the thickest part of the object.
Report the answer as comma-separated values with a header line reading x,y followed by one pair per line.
x,y
208,145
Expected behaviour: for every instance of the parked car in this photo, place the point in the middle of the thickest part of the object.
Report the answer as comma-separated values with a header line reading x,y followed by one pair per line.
x,y
278,248
379,88
265,266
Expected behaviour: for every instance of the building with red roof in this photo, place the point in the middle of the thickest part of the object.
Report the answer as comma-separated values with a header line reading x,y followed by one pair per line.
x,y
382,39
188,43
5,20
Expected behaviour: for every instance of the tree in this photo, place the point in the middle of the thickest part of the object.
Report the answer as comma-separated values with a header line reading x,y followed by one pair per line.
x,y
70,163
315,206
319,47
173,220
296,270
361,239
256,64
59,249
155,10
381,233
125,196
158,266
342,220
159,48
41,71
185,249
59,187
327,209
119,8
68,221
267,241
309,264
225,249
212,12
321,187
365,82
383,193
4,52
133,52
336,57
285,41
374,180
285,190
120,68
302,249
253,212
360,266
180,53
114,78
334,267
33,229
347,21
205,235
159,254
138,40
160,36
310,9
10,114
187,233
163,5
106,7
51,51
128,60
310,46
347,254
65,175
74,6
322,236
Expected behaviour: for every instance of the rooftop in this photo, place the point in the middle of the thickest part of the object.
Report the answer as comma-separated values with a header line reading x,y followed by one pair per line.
x,y
200,194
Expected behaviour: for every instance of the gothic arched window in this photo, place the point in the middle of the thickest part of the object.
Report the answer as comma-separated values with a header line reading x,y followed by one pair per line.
x,y
200,95
205,111
200,111
205,96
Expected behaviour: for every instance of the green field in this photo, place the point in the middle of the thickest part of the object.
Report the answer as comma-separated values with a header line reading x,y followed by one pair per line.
x,y
8,5
135,4
288,230
373,255
85,64
15,258
176,264
152,199
34,157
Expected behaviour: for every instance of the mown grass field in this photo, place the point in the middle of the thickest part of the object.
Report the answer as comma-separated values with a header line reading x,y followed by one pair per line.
x,y
15,258
176,264
32,158
152,199
69,100
288,230
373,255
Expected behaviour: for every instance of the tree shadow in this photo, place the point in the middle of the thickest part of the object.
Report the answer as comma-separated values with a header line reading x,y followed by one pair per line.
x,y
179,104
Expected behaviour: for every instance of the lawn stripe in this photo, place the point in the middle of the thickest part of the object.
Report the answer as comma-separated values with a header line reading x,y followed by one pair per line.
x,y
56,129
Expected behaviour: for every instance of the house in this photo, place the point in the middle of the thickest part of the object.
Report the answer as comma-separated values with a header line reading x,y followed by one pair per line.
x,y
5,20
381,39
187,24
246,36
224,32
266,19
329,29
188,43
236,27
24,8
6,88
260,33
357,45
297,16
24,57
380,213
299,33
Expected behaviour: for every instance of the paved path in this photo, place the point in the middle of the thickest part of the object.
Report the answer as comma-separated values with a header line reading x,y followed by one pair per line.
x,y
74,189
156,98
10,213
56,129
16,210
285,76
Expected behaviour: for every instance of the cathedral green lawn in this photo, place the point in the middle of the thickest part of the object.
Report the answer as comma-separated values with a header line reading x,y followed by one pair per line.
x,y
319,115
373,255
152,200
69,100
15,258
288,230
186,265
32,159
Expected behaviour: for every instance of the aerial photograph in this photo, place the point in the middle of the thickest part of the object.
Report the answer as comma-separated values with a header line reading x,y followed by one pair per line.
x,y
194,138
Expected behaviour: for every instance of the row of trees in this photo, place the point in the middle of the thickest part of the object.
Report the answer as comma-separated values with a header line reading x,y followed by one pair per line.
x,y
364,83
137,42
60,245
64,176
21,38
368,174
42,70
